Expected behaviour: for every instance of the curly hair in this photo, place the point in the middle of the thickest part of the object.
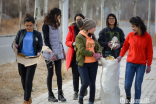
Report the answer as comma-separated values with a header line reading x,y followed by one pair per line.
x,y
137,21
50,18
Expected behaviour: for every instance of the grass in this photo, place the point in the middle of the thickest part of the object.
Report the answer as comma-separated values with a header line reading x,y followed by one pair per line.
x,y
11,88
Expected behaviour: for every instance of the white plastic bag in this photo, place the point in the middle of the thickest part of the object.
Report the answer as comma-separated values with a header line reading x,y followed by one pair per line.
x,y
110,92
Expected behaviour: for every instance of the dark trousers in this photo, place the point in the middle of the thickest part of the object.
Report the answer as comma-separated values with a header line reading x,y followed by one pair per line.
x,y
51,72
88,74
75,73
27,75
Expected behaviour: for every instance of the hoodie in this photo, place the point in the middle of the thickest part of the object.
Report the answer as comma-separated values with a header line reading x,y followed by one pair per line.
x,y
107,34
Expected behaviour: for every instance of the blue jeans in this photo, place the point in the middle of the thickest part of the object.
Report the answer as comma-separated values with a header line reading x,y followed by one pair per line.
x,y
131,70
88,74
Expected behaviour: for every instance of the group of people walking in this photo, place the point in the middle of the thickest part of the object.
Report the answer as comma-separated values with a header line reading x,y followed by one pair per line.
x,y
83,53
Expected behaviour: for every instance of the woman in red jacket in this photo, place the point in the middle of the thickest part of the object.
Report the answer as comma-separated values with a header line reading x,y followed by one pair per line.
x,y
71,55
139,57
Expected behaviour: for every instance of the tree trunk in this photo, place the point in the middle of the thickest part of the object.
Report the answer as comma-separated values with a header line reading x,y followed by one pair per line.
x,y
73,11
45,7
97,13
135,5
91,12
28,6
149,16
35,14
155,17
102,13
20,12
85,8
0,13
39,10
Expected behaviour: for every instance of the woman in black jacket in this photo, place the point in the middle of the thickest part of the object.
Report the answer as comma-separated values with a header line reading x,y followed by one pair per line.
x,y
28,42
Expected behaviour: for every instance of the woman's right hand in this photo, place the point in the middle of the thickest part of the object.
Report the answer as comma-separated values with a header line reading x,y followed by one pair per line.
x,y
119,58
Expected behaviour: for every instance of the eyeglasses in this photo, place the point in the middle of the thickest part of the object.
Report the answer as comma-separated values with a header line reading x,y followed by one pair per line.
x,y
111,18
29,26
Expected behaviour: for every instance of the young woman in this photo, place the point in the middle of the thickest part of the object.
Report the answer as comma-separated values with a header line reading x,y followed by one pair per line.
x,y
71,54
88,52
28,42
139,58
52,39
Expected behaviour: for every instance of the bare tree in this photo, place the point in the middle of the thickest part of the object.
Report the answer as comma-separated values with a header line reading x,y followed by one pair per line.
x,y
35,14
116,8
20,12
28,6
155,17
149,16
102,13
97,3
45,7
39,9
0,12
85,8
135,5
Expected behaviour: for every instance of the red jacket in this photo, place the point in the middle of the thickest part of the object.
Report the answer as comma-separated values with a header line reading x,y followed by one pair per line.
x,y
69,41
140,49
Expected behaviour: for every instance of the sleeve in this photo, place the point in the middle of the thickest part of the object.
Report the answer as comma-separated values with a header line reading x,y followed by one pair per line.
x,y
122,38
45,29
17,37
40,43
149,51
125,47
101,39
81,47
69,39
99,48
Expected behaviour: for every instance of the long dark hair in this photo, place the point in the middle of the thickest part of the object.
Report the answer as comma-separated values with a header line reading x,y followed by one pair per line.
x,y
137,21
79,14
50,19
29,18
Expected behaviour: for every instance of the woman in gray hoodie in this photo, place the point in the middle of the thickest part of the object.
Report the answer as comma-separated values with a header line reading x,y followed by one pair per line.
x,y
52,39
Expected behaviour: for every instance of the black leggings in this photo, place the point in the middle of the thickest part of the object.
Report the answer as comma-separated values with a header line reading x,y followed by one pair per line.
x,y
27,75
51,72
75,73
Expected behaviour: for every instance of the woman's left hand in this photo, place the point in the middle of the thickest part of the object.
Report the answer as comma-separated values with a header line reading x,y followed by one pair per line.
x,y
38,54
148,69
64,55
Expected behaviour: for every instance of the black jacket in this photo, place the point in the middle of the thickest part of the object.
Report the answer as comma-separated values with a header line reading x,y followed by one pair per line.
x,y
107,34
37,40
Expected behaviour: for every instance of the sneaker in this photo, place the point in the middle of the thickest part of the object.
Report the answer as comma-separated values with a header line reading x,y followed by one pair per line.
x,y
75,96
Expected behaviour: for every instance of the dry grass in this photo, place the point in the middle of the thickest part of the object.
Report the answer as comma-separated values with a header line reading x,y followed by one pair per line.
x,y
11,88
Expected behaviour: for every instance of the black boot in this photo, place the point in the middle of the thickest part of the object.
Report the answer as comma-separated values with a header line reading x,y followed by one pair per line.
x,y
128,99
80,100
60,96
52,98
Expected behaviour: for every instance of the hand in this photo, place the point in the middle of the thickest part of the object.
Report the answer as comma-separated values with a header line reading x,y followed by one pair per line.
x,y
119,58
53,57
16,46
118,46
148,69
109,44
97,56
65,54
38,54
73,44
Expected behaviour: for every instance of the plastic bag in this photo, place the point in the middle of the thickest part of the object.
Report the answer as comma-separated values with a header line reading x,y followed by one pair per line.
x,y
110,92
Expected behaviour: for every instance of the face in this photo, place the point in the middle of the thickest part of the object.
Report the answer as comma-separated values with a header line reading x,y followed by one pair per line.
x,y
134,28
111,20
29,26
78,18
58,17
92,30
